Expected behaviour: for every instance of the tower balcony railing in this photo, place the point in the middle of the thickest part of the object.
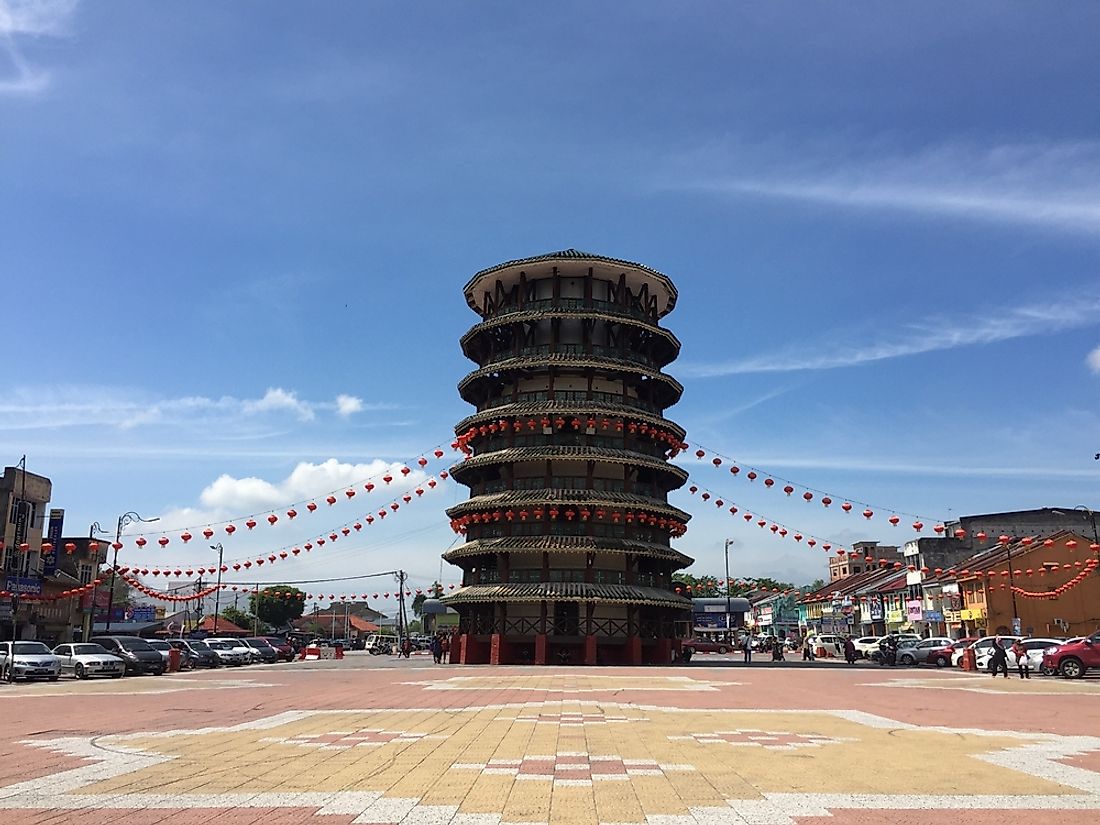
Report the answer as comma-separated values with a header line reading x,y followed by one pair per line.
x,y
579,350
577,396
576,305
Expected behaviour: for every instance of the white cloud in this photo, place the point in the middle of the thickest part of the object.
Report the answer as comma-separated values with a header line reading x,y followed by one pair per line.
x,y
1051,185
347,405
276,398
26,408
1093,360
930,335
28,18
308,480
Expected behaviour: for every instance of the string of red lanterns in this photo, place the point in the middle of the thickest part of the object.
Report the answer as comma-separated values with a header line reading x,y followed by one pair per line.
x,y
777,528
808,493
1089,567
589,423
271,558
571,512
292,511
409,496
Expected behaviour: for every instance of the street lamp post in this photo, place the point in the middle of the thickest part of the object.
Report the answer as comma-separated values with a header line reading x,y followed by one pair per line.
x,y
218,592
123,520
729,600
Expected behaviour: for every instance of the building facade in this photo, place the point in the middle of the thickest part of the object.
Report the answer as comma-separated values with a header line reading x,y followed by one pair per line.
x,y
24,498
568,528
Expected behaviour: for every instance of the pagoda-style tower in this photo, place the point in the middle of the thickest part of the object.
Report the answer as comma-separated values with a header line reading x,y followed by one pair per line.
x,y
567,555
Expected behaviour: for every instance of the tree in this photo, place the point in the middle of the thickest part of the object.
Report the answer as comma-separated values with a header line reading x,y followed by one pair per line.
x,y
238,617
817,584
431,593
278,605
713,586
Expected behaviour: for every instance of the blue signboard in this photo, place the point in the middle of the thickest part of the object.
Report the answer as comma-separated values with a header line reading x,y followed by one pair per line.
x,y
24,586
53,536
933,616
125,613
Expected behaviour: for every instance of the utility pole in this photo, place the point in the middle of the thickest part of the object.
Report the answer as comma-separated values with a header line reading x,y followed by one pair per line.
x,y
256,612
218,592
729,599
403,633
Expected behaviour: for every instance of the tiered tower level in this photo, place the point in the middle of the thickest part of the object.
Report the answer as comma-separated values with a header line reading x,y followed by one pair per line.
x,y
568,555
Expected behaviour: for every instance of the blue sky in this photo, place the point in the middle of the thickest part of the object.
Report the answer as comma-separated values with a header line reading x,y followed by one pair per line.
x,y
233,239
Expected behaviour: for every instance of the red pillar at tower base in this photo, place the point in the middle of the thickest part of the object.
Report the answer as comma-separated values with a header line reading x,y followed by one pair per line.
x,y
590,650
634,650
540,649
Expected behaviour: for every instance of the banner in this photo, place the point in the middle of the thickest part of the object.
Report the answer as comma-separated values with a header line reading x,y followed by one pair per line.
x,y
53,536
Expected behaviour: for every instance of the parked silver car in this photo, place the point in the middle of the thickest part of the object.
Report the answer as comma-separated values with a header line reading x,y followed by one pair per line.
x,y
917,653
30,660
87,659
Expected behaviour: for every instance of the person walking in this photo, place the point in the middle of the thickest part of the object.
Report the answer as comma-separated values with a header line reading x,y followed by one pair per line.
x,y
849,650
1023,666
808,649
445,649
746,646
999,661
437,649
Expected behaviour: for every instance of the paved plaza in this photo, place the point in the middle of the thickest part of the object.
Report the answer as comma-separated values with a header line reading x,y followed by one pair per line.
x,y
371,740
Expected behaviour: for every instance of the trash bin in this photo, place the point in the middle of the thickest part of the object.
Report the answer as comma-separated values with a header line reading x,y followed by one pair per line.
x,y
174,659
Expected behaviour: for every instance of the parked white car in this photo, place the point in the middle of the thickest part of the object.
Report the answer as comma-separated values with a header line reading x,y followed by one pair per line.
x,y
866,645
238,646
29,660
86,659
227,654
1035,648
983,645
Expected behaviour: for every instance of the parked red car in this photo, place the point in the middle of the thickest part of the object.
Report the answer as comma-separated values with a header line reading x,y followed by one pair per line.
x,y
1072,659
942,656
707,646
282,647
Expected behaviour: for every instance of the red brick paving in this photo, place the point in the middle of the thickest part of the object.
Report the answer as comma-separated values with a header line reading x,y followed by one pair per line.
x,y
359,683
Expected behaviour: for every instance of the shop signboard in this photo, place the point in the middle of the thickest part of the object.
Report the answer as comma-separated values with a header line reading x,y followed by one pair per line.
x,y
914,610
876,609
24,586
765,616
970,615
895,616
952,616
933,616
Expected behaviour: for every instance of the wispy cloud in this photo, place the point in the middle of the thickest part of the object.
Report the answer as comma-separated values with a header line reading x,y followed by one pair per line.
x,y
120,408
20,19
1050,185
1093,361
933,334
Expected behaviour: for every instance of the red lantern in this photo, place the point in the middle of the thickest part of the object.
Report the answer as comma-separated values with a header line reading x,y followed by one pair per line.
x,y
163,541
185,537
140,541
894,520
769,483
846,507
808,496
868,513
230,529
